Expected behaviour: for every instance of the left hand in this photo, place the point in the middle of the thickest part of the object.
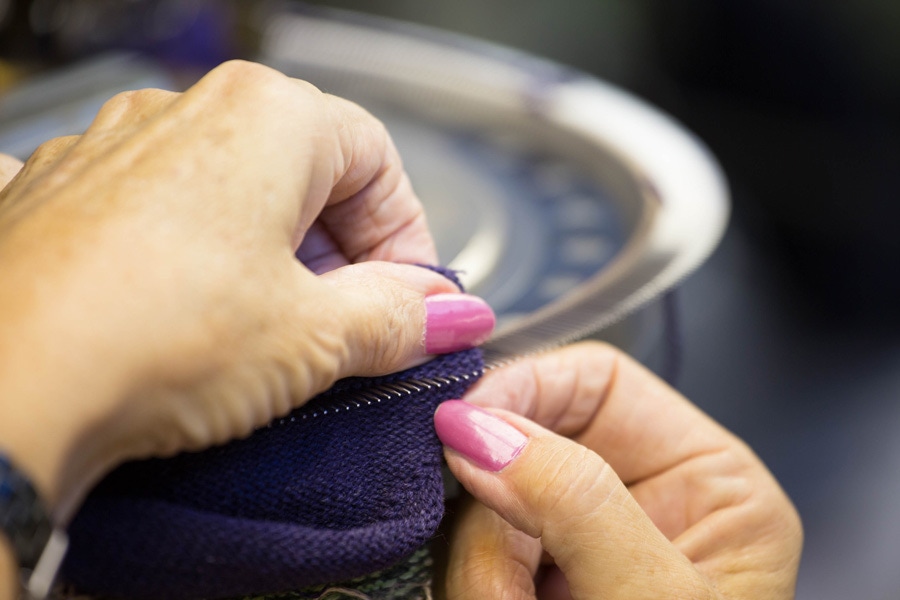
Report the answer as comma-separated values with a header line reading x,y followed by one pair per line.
x,y
649,498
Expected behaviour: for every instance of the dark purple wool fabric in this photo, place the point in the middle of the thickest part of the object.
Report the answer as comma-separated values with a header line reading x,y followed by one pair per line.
x,y
302,502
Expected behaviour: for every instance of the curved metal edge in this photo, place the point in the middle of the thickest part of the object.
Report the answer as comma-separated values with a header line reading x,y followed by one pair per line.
x,y
684,191
451,78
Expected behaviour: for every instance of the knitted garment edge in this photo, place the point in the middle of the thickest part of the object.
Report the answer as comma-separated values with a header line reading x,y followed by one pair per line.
x,y
346,486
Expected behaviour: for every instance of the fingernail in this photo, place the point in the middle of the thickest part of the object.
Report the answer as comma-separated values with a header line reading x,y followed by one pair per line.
x,y
456,322
484,438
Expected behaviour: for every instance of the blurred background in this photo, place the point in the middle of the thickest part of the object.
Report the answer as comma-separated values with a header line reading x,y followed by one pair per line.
x,y
790,330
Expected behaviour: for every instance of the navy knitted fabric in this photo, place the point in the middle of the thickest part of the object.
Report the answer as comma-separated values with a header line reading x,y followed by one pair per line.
x,y
344,486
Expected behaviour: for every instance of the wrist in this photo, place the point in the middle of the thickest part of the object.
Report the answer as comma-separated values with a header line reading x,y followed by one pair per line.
x,y
52,427
83,330
57,386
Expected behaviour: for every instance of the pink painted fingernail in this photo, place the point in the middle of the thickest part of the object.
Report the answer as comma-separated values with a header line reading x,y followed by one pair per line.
x,y
482,437
456,322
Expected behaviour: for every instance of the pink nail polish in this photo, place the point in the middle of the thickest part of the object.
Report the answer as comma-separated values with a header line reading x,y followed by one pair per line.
x,y
456,322
485,439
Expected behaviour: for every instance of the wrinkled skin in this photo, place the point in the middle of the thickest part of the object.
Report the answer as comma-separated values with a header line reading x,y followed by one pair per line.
x,y
151,298
624,490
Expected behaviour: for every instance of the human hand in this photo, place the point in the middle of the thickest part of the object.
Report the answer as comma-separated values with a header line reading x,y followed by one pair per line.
x,y
650,498
151,300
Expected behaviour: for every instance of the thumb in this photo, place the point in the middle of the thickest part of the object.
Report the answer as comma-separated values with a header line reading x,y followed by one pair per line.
x,y
398,316
554,489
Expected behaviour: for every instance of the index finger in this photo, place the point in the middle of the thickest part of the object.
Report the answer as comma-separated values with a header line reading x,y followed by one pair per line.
x,y
372,212
250,140
607,401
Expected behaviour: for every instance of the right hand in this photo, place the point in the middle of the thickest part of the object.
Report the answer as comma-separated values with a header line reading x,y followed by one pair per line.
x,y
152,300
649,498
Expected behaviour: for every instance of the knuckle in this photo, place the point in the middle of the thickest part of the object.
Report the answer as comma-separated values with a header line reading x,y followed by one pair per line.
x,y
130,106
383,330
241,79
573,481
121,99
361,127
53,147
387,335
240,70
308,88
241,76
598,353
597,370
255,85
48,154
372,130
118,106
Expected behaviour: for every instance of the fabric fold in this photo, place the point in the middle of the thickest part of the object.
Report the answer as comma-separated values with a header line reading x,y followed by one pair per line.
x,y
347,485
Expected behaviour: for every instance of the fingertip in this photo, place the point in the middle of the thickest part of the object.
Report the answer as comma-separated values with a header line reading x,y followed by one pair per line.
x,y
456,321
483,438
